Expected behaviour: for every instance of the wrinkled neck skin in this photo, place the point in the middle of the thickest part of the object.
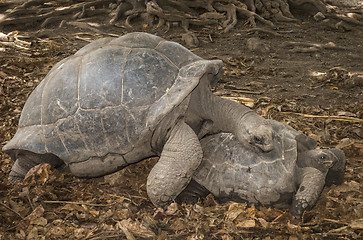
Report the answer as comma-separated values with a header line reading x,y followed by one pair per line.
x,y
227,116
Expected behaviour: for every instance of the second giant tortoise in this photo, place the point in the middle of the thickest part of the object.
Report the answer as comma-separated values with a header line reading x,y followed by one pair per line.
x,y
119,100
292,175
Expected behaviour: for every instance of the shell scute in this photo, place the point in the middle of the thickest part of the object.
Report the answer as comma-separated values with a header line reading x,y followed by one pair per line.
x,y
147,76
65,128
178,54
101,77
59,95
53,142
99,43
137,40
90,127
31,114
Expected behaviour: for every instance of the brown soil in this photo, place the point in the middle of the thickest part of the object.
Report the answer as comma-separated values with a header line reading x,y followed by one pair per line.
x,y
316,89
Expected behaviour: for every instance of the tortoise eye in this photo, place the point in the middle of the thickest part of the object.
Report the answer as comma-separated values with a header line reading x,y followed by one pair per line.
x,y
322,157
257,140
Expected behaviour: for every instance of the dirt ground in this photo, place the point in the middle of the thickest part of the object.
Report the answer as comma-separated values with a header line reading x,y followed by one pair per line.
x,y
317,89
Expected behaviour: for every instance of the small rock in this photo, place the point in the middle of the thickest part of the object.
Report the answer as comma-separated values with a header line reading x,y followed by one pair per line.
x,y
319,16
3,37
343,27
190,40
256,45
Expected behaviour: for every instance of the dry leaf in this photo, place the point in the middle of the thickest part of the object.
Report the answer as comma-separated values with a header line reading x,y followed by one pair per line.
x,y
73,207
227,237
41,221
345,142
333,87
172,209
263,222
80,233
33,234
177,224
39,173
292,226
249,223
196,236
357,224
57,231
345,113
234,210
37,213
136,228
249,102
94,213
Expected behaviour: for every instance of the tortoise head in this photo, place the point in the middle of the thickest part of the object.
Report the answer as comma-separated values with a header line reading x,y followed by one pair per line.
x,y
324,159
336,172
262,137
257,132
331,161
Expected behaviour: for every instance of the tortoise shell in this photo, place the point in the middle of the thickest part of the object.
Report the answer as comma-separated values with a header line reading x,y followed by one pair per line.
x,y
107,96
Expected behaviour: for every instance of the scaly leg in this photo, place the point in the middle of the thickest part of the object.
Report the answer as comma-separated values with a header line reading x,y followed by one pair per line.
x,y
180,157
26,160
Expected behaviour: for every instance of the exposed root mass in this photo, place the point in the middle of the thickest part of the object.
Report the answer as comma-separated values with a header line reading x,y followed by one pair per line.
x,y
162,14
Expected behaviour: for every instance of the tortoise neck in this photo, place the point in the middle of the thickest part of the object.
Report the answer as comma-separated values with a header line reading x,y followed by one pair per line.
x,y
226,115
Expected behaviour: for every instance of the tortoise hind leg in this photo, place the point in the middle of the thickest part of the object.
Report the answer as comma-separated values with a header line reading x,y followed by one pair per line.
x,y
26,160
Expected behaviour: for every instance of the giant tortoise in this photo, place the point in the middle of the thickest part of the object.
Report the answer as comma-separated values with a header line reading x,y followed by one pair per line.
x,y
117,101
292,175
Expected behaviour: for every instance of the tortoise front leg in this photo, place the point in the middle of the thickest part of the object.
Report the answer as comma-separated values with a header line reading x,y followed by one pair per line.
x,y
312,169
313,181
180,157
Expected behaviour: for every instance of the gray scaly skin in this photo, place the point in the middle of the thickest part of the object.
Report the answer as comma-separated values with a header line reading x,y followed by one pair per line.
x,y
283,177
120,100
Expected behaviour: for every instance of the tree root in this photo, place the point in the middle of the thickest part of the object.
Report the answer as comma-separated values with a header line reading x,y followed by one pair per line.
x,y
264,31
41,17
231,11
252,16
158,14
42,13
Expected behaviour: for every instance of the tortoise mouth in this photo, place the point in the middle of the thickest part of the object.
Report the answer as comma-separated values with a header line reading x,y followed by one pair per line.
x,y
266,147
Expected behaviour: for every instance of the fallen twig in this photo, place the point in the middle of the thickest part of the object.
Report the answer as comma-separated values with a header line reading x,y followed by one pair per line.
x,y
338,229
249,102
127,233
278,217
264,31
307,47
345,19
121,197
79,203
104,235
337,118
12,210
334,221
